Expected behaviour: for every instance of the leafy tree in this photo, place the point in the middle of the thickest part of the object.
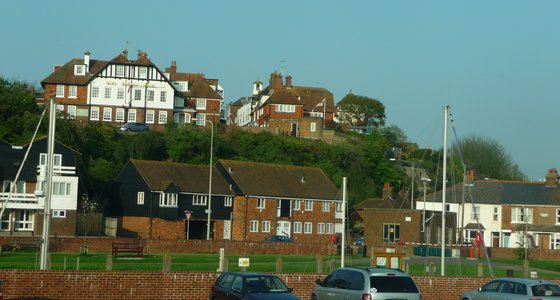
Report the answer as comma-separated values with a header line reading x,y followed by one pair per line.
x,y
361,111
18,111
396,137
488,158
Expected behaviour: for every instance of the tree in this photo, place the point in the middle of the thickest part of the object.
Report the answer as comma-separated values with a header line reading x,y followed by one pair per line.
x,y
487,158
18,111
361,111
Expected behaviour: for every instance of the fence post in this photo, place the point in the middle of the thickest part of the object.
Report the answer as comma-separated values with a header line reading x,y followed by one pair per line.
x,y
166,266
319,260
78,263
64,264
279,265
109,263
480,270
222,259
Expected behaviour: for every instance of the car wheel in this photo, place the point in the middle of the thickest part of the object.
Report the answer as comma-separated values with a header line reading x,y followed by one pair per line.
x,y
313,297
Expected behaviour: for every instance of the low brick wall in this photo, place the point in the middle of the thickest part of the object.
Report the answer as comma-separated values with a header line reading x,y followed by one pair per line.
x,y
34,284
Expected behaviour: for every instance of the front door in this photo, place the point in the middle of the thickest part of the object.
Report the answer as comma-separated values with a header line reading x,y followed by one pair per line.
x,y
227,229
283,228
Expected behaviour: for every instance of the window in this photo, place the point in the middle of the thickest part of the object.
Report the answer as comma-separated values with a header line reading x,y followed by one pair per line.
x,y
71,112
120,71
261,203
150,116
297,227
132,115
475,213
168,199
119,115
307,227
253,226
308,205
60,108
56,157
79,70
73,91
162,117
285,108
24,220
142,72
58,213
120,93
5,222
94,114
62,188
496,215
326,206
313,127
107,114
20,187
140,198
339,207
228,201
521,215
95,92
297,204
137,95
163,96
391,233
200,103
330,228
200,199
200,119
107,93
265,226
150,96
555,244
59,90
320,228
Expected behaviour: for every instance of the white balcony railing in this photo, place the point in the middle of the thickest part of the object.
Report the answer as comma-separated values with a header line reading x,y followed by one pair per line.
x,y
62,170
19,198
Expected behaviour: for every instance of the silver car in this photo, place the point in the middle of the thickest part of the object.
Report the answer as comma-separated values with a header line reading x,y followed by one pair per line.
x,y
352,283
515,289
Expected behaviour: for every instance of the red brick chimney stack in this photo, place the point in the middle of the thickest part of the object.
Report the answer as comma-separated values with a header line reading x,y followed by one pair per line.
x,y
551,179
275,82
289,81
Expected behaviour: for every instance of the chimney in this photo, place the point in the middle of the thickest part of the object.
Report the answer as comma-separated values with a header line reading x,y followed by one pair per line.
x,y
470,177
257,87
289,81
173,68
551,179
125,54
387,191
275,82
86,60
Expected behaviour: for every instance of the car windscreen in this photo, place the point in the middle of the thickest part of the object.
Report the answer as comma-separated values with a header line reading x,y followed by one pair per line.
x,y
393,284
265,284
545,290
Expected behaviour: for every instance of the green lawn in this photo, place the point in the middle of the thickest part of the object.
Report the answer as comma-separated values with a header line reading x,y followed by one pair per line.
x,y
259,263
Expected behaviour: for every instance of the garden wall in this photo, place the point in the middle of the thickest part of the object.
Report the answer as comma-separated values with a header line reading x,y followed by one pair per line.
x,y
35,284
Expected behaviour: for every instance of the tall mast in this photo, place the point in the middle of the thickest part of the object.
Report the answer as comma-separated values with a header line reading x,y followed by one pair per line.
x,y
343,241
443,191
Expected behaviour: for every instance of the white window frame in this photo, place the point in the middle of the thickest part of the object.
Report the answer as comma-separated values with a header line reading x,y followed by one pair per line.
x,y
5,222
228,201
475,212
200,119
330,228
60,91
308,205
107,94
200,199
143,72
119,115
253,226
131,115
72,91
120,93
297,227
79,70
119,71
57,158
71,112
265,226
26,222
140,198
518,215
137,95
308,228
163,96
261,203
59,213
555,241
62,188
320,228
313,127
151,95
496,213
326,206
162,117
94,113
168,199
200,103
297,205
95,92
150,115
20,187
107,114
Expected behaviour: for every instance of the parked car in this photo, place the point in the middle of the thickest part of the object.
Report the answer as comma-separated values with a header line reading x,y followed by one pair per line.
x,y
359,241
351,283
279,238
515,289
134,127
250,286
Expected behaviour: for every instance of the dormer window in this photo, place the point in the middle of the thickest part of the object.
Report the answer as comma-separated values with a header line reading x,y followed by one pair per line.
x,y
79,70
143,72
120,71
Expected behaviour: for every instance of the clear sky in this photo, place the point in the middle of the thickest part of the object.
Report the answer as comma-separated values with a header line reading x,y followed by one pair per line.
x,y
496,63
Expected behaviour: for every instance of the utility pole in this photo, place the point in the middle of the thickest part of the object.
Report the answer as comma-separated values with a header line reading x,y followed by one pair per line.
x,y
48,187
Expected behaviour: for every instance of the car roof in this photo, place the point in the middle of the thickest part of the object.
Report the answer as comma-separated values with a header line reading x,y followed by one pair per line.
x,y
249,274
378,271
530,281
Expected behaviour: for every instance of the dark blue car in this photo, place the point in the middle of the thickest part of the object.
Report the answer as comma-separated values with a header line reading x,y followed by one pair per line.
x,y
250,286
134,127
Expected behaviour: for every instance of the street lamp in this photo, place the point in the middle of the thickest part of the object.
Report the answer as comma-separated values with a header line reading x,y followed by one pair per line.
x,y
209,210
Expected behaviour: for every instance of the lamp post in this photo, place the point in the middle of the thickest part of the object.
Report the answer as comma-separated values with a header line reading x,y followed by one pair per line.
x,y
209,210
425,181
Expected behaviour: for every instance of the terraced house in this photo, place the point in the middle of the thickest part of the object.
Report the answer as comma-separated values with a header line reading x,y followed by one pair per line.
x,y
249,201
125,90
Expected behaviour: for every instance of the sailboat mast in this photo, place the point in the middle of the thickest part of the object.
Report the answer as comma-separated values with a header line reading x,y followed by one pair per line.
x,y
443,190
343,241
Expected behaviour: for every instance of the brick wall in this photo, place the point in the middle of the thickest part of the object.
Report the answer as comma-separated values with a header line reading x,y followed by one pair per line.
x,y
179,285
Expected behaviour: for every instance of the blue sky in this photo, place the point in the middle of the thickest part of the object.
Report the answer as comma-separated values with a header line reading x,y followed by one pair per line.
x,y
496,63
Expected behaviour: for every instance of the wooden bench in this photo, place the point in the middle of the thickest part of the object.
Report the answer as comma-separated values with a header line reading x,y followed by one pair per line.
x,y
26,245
128,247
